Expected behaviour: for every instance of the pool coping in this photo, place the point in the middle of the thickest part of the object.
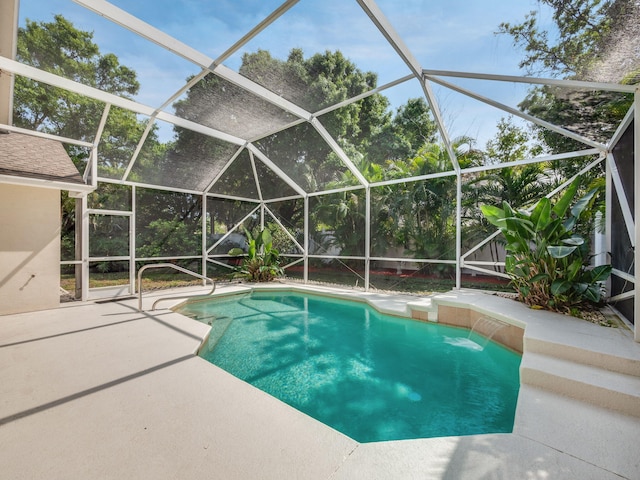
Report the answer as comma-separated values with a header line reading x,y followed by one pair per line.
x,y
145,420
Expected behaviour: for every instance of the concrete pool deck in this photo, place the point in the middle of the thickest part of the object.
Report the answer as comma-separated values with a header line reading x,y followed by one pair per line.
x,y
100,390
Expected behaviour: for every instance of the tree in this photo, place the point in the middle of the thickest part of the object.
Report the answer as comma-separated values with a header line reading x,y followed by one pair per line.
x,y
343,216
418,216
425,210
60,48
329,78
584,28
594,115
413,214
520,186
167,223
411,128
586,31
314,83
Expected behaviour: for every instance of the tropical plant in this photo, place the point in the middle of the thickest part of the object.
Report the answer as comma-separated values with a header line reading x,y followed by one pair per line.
x,y
424,211
547,261
519,185
262,261
343,214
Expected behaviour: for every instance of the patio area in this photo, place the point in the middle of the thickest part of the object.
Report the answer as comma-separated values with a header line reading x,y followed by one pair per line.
x,y
100,390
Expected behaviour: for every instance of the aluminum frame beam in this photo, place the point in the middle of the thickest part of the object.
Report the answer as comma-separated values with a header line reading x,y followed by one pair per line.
x,y
614,87
622,199
36,133
114,100
160,38
389,33
224,169
518,113
277,170
386,29
338,151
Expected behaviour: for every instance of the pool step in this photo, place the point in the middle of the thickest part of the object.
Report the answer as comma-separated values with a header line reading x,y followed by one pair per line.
x,y
588,383
423,309
207,319
219,325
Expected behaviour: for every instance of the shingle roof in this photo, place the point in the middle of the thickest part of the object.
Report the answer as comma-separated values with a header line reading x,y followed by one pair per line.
x,y
34,157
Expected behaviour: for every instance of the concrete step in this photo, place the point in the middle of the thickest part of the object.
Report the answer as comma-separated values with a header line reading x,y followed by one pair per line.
x,y
625,360
588,383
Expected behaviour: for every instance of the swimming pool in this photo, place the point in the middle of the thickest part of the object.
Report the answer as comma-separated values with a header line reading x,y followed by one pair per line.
x,y
373,377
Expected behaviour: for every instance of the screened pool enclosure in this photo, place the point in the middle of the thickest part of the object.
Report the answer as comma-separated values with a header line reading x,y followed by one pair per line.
x,y
358,138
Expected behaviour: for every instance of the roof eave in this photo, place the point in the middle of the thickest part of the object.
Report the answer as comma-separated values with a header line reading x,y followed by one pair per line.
x,y
76,190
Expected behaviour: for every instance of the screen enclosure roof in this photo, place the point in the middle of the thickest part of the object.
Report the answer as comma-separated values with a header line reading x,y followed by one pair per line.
x,y
225,106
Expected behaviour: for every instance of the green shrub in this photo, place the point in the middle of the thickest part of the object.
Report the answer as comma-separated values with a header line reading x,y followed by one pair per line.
x,y
547,261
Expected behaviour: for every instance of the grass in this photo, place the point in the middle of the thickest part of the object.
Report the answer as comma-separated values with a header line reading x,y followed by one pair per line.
x,y
411,282
383,281
151,281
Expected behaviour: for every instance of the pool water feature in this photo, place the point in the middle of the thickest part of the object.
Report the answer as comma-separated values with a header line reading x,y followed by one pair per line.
x,y
374,377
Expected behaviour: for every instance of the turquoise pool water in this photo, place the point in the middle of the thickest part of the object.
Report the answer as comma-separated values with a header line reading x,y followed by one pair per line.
x,y
373,377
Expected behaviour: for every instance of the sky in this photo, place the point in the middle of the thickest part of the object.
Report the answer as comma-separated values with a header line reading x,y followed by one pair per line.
x,y
441,34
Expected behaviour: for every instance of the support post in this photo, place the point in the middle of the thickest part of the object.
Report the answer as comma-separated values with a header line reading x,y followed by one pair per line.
x,y
636,211
84,247
306,239
132,242
79,238
204,237
458,230
608,202
367,238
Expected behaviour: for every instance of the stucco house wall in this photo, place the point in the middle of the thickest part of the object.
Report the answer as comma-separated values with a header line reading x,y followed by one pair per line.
x,y
29,248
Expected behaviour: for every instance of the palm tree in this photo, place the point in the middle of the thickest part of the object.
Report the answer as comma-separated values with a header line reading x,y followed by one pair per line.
x,y
424,210
520,186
